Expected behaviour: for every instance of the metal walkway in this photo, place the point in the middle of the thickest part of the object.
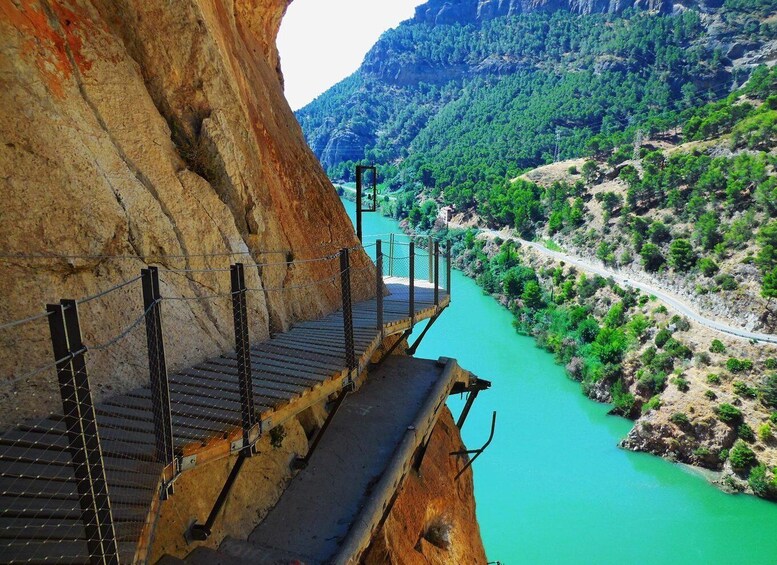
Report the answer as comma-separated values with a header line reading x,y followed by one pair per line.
x,y
41,518
370,450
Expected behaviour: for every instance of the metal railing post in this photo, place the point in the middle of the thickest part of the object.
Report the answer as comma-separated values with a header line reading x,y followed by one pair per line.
x,y
243,351
379,287
411,287
345,284
429,247
83,440
436,273
391,255
157,365
448,269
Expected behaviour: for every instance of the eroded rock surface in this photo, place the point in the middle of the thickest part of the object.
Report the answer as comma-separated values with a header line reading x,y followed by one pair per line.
x,y
140,132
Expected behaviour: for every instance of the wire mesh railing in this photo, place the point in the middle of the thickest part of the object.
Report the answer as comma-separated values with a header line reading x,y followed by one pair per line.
x,y
106,418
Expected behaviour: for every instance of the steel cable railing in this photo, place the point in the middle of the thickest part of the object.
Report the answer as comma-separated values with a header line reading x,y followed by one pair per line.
x,y
122,422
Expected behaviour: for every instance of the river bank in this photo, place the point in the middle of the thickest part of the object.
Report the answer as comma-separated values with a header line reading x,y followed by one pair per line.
x,y
553,487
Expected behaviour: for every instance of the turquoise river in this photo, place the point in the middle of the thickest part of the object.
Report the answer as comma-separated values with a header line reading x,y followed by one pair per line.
x,y
553,487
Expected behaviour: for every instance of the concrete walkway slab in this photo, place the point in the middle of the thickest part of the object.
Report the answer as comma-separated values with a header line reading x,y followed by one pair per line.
x,y
324,501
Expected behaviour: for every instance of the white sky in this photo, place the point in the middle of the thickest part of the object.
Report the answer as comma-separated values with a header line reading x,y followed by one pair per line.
x,y
323,41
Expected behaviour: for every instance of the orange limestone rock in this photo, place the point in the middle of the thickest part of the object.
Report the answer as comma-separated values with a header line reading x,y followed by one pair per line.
x,y
433,518
139,132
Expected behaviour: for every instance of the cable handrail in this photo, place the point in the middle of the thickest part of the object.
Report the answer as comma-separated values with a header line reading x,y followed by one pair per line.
x,y
10,256
108,291
125,332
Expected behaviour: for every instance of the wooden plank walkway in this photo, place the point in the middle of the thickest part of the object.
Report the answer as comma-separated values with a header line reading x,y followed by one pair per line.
x,y
40,517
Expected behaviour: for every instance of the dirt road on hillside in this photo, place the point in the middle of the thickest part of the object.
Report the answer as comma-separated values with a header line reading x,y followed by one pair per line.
x,y
672,300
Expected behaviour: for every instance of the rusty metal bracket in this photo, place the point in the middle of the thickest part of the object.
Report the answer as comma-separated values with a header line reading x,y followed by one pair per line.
x,y
477,452
474,389
302,462
412,349
385,356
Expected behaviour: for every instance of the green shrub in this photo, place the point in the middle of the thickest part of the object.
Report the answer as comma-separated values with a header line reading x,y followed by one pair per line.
x,y
765,431
723,455
769,391
588,330
681,383
653,404
770,363
741,456
680,419
677,349
707,266
728,413
717,346
653,382
726,282
623,401
773,418
662,337
746,433
681,323
710,394
660,310
702,452
703,358
663,362
758,481
738,365
648,355
741,389
713,379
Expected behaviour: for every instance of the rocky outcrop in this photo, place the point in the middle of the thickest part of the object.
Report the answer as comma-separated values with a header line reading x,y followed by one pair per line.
x,y
140,132
345,144
441,12
433,518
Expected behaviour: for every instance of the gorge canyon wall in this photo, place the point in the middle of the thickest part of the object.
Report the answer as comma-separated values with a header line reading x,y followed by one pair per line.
x,y
136,133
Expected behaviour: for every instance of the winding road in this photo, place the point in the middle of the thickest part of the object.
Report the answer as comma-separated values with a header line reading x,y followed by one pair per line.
x,y
670,299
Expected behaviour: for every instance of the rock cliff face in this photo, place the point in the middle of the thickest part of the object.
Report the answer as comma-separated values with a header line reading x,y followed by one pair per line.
x,y
140,132
433,519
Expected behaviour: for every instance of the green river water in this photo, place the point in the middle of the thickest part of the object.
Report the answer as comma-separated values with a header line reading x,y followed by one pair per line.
x,y
553,487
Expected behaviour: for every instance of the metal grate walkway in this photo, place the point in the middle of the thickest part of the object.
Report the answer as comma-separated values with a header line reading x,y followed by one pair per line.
x,y
40,514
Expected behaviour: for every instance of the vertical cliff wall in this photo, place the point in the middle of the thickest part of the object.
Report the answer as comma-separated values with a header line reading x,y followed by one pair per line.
x,y
139,132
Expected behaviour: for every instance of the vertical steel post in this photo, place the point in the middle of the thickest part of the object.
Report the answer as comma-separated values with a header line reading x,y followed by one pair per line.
x,y
345,284
429,247
379,287
83,440
448,268
391,255
436,273
157,365
243,350
411,287
359,202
